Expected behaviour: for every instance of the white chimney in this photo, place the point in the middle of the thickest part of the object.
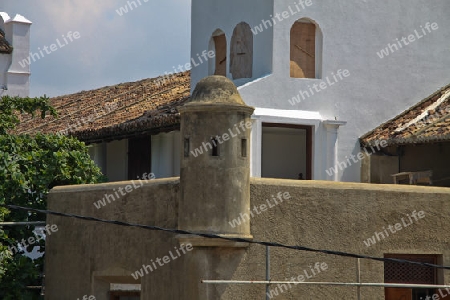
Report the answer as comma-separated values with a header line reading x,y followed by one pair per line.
x,y
18,75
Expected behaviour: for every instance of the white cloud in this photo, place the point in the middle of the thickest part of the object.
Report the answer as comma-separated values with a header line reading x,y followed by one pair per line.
x,y
68,14
92,19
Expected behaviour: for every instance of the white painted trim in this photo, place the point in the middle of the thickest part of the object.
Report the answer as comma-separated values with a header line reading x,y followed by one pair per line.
x,y
295,116
288,117
331,144
19,73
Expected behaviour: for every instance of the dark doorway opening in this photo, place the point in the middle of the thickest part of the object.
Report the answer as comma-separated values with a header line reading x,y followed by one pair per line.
x,y
286,151
139,157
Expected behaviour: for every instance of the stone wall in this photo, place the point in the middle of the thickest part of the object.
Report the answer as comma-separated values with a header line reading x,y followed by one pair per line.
x,y
83,257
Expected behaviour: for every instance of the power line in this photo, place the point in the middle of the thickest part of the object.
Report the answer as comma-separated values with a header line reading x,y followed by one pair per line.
x,y
215,236
21,223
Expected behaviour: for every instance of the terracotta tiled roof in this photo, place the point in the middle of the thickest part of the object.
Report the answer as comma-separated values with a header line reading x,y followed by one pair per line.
x,y
116,112
426,122
5,47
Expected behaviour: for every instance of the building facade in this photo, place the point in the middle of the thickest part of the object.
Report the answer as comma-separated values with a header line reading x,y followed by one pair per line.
x,y
321,73
215,194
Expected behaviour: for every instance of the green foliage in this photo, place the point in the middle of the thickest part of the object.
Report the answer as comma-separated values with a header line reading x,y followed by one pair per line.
x,y
11,107
21,272
29,167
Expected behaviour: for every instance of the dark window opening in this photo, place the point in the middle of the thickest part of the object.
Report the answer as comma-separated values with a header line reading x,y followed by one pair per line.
x,y
289,161
116,295
244,147
139,156
186,147
215,147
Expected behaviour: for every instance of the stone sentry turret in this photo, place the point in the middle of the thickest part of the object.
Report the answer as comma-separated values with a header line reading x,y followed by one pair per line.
x,y
215,162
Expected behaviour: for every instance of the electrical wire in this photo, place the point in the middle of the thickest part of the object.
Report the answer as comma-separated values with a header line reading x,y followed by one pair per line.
x,y
215,236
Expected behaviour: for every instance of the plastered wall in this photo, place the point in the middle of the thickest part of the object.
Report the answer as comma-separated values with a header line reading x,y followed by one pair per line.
x,y
84,257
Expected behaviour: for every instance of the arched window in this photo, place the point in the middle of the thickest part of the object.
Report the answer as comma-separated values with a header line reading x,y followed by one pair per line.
x,y
218,44
306,50
241,52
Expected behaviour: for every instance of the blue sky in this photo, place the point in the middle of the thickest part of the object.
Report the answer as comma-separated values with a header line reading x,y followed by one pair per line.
x,y
145,42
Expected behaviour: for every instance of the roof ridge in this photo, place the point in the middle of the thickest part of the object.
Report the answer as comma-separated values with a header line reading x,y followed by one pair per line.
x,y
112,86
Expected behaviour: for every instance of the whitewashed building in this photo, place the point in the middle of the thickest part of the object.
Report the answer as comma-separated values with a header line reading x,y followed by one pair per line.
x,y
322,73
319,73
14,49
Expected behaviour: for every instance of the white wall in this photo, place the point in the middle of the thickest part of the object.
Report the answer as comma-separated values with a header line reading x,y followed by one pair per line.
x,y
210,15
353,32
97,152
112,157
166,153
5,61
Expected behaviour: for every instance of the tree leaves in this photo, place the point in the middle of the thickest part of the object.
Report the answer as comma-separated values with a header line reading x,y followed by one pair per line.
x,y
11,107
30,166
